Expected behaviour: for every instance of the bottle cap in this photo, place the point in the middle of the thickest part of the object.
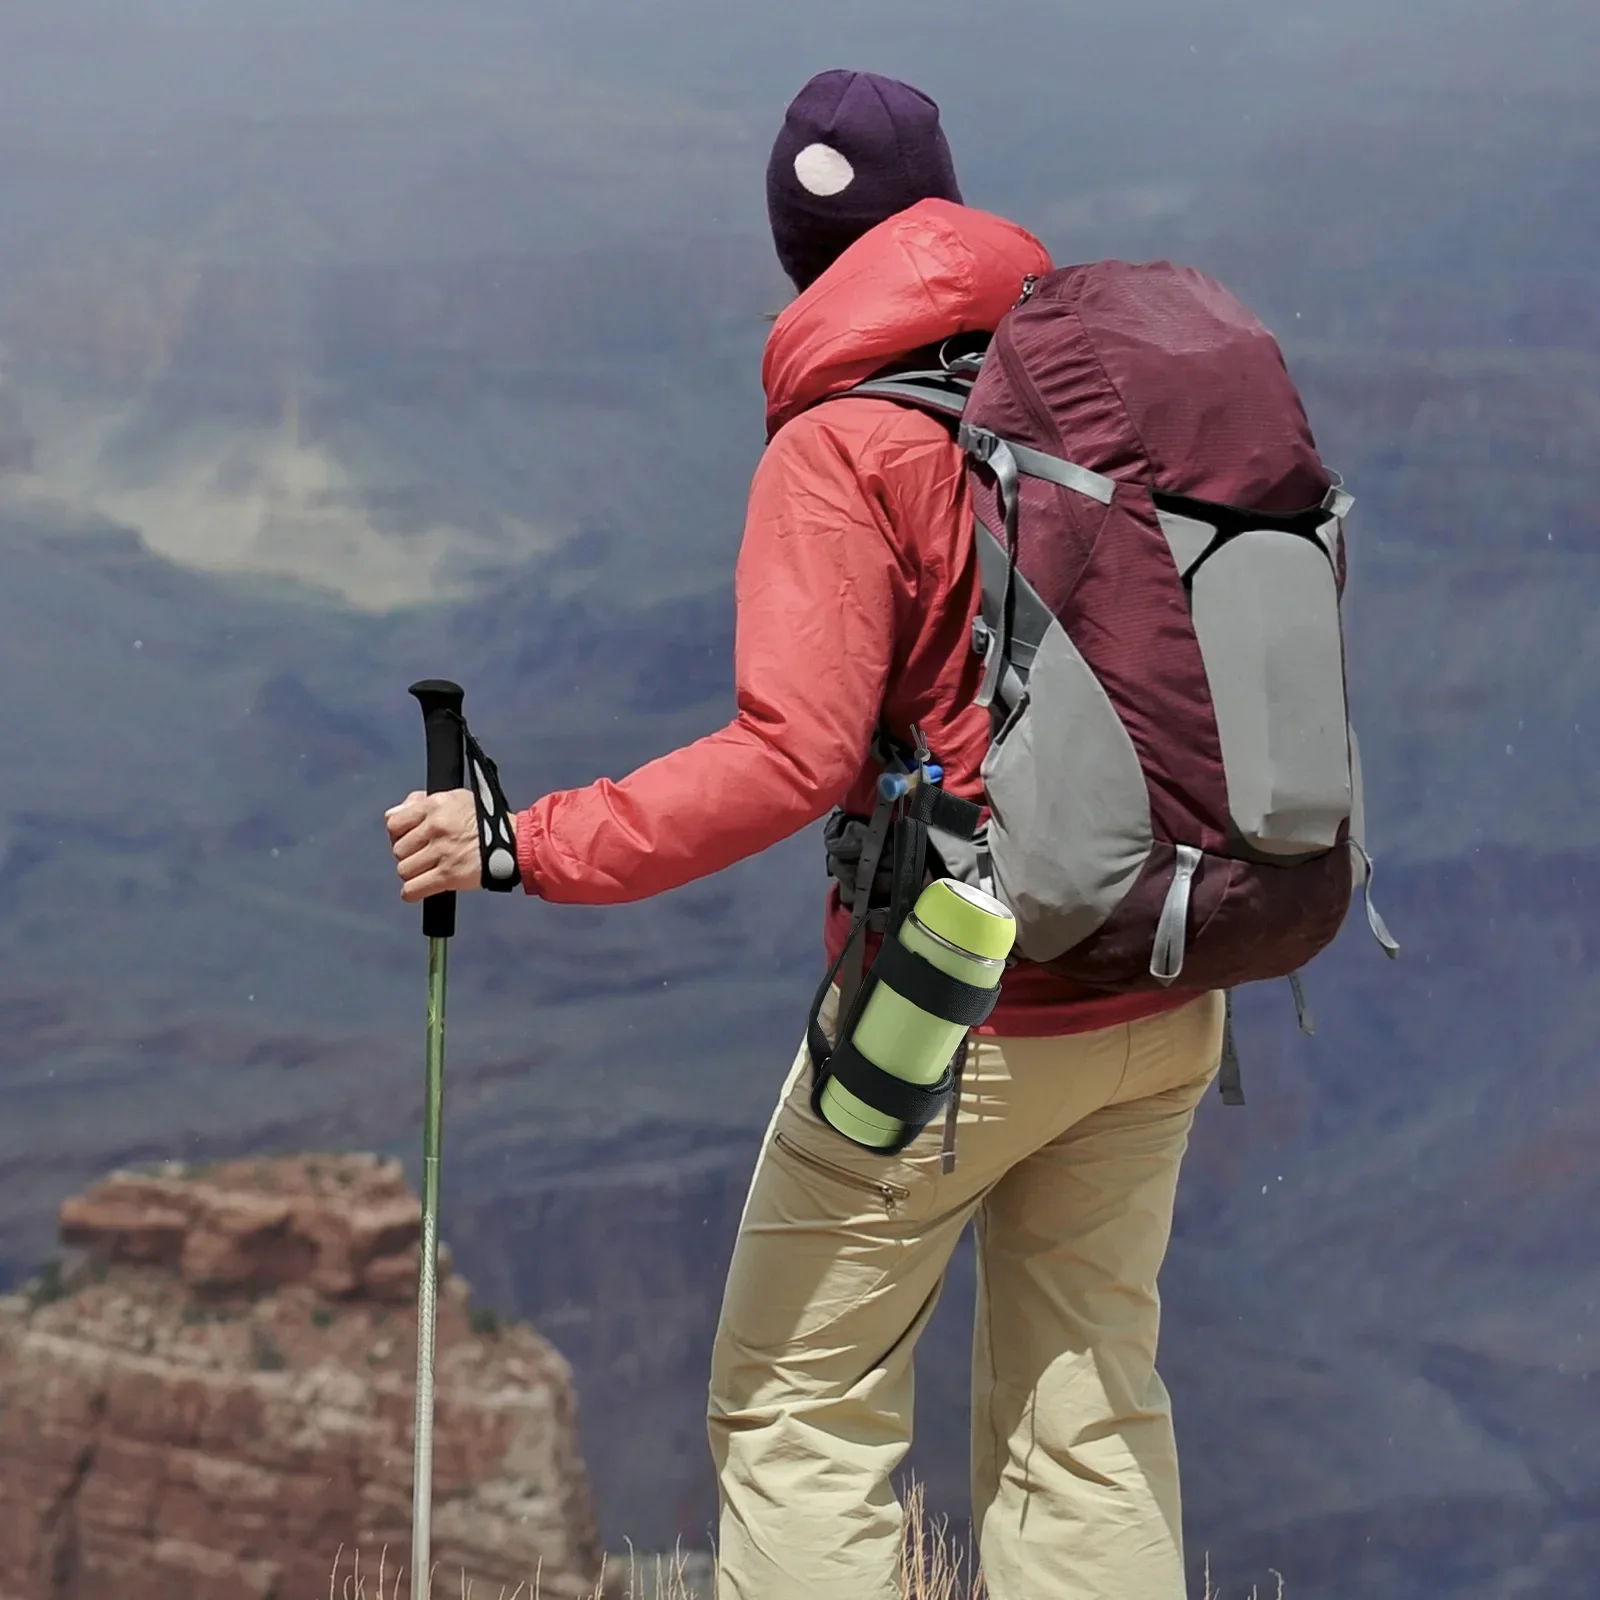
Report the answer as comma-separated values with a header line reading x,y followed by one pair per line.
x,y
967,917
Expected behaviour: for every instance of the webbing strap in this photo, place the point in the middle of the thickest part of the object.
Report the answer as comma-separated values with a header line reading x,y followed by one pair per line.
x,y
852,955
1302,1011
905,386
1380,931
910,862
952,1111
1009,463
1166,954
918,376
962,1004
933,991
816,1039
1003,465
1229,1082
946,812
914,1104
983,445
497,838
986,879
847,965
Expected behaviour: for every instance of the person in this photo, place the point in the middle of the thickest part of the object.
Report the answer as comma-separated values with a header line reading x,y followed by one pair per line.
x,y
856,586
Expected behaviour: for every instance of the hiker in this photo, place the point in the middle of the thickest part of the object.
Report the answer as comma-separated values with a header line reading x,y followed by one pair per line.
x,y
858,586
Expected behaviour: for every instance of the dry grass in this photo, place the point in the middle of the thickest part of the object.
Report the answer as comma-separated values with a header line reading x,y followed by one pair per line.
x,y
934,1567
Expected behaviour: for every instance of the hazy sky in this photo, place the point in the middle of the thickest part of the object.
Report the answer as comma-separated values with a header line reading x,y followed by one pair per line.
x,y
1161,70
596,171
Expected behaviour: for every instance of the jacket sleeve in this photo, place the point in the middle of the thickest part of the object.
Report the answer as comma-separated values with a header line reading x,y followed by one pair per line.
x,y
814,636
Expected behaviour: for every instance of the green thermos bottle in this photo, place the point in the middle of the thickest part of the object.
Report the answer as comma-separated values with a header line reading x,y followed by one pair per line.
x,y
967,935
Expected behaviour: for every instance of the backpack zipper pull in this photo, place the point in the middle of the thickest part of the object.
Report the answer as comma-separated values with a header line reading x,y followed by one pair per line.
x,y
1302,1012
1379,931
1029,284
1166,957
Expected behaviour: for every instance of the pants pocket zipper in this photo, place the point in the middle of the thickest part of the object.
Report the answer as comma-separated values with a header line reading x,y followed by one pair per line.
x,y
891,1194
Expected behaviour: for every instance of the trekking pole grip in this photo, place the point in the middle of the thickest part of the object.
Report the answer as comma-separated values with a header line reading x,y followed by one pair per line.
x,y
441,703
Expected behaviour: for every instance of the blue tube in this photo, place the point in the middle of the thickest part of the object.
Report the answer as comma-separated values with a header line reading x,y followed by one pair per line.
x,y
894,784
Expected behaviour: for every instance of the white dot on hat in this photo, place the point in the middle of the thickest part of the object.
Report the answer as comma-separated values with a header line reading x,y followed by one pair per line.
x,y
823,170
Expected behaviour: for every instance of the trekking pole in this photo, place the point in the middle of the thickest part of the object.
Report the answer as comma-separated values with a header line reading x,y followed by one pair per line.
x,y
441,720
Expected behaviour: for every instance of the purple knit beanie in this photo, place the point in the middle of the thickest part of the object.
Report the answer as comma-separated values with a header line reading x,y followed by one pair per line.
x,y
854,150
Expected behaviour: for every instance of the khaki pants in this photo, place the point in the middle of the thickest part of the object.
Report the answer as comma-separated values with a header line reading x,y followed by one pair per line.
x,y
1067,1159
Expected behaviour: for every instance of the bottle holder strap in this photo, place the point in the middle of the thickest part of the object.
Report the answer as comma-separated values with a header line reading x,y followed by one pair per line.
x,y
914,1104
929,989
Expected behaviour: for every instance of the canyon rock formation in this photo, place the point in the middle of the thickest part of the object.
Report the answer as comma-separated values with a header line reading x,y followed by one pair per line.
x,y
214,1399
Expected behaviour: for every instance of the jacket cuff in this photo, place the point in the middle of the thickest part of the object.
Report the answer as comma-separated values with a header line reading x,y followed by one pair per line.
x,y
527,848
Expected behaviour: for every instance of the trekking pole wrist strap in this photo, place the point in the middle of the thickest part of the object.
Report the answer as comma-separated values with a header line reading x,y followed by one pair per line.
x,y
497,828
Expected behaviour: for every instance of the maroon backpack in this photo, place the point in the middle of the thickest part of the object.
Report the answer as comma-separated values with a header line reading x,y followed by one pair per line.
x,y
1173,785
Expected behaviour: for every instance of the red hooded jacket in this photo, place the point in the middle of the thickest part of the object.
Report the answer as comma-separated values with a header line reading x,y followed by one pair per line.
x,y
856,587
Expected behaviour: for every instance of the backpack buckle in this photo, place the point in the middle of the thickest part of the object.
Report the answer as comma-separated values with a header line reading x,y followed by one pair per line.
x,y
979,443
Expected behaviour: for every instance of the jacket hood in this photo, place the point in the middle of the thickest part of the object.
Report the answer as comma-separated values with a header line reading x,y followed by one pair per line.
x,y
926,274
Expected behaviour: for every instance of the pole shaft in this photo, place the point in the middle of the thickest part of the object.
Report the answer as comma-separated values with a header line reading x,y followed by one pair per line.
x,y
427,1277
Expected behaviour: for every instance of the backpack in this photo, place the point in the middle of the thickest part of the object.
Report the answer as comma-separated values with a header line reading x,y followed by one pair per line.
x,y
1172,783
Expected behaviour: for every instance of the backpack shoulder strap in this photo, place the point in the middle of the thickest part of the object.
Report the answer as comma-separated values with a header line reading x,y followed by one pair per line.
x,y
937,379
942,393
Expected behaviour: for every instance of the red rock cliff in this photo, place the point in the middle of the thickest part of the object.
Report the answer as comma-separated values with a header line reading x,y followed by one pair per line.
x,y
218,1396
